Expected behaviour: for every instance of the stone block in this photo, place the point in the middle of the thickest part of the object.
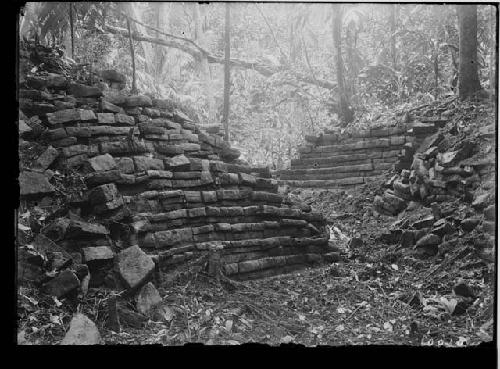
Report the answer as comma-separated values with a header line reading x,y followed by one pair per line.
x,y
62,284
82,331
138,100
79,90
46,159
34,184
102,163
134,266
70,115
105,118
124,119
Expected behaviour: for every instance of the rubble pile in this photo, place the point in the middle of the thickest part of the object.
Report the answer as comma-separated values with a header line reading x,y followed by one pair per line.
x,y
446,195
155,192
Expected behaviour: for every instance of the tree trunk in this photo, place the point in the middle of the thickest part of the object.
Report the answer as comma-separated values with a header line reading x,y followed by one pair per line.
x,y
392,22
158,50
132,55
345,112
493,49
199,38
72,30
227,75
468,80
131,10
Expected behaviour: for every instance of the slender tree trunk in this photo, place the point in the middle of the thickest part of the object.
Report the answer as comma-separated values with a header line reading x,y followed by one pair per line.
x,y
346,114
157,48
132,9
436,69
493,49
72,30
227,72
199,37
132,55
468,79
393,20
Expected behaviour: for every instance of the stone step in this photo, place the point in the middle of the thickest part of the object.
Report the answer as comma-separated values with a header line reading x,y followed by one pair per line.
x,y
215,210
191,235
320,244
360,145
335,151
329,170
336,160
351,181
333,139
334,175
272,264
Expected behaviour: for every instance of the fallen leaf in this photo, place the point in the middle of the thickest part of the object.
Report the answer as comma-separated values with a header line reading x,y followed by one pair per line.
x,y
229,325
286,339
388,327
57,302
22,227
56,319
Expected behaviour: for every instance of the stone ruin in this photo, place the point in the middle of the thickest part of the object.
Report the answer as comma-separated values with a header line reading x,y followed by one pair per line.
x,y
159,191
352,158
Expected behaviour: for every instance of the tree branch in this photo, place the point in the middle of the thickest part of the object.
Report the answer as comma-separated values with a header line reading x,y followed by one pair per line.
x,y
197,52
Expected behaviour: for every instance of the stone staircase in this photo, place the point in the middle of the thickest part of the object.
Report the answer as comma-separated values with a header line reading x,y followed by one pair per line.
x,y
355,157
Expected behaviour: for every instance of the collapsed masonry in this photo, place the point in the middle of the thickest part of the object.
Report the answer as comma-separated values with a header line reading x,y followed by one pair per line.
x,y
160,191
356,157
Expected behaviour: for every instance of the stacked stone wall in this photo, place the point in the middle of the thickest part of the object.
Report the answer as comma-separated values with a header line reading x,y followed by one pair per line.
x,y
155,179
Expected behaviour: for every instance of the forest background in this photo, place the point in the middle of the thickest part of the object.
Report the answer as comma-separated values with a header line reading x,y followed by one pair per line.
x,y
296,69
